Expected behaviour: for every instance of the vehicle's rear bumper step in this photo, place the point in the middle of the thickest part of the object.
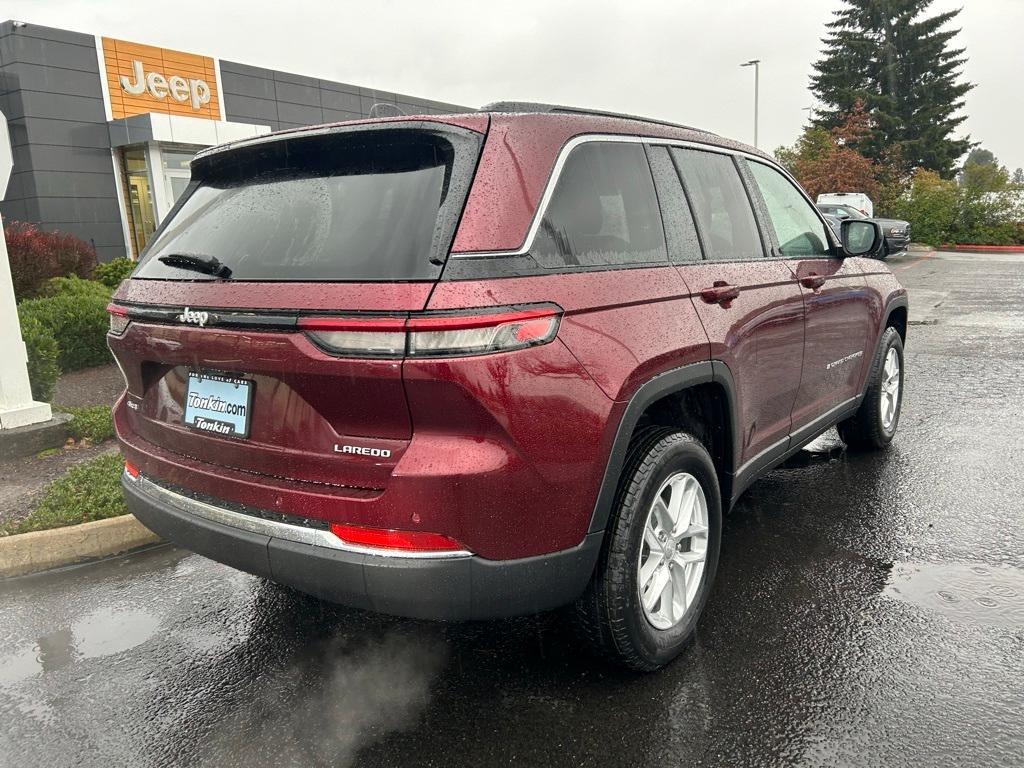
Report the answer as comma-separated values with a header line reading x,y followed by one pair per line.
x,y
441,588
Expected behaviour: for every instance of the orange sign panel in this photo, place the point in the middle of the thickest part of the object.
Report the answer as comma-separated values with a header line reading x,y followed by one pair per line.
x,y
141,78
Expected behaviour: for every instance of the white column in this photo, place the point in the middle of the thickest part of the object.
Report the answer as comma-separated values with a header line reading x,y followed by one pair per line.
x,y
17,408
157,182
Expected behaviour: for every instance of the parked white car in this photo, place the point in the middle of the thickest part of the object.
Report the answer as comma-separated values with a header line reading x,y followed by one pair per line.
x,y
858,200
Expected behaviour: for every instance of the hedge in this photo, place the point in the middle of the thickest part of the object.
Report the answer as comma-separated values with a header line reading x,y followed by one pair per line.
x,y
78,323
71,285
111,273
43,353
35,256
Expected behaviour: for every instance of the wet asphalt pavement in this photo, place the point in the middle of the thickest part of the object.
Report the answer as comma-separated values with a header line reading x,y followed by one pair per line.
x,y
869,610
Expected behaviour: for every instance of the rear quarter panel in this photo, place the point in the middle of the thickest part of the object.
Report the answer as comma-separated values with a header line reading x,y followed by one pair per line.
x,y
621,328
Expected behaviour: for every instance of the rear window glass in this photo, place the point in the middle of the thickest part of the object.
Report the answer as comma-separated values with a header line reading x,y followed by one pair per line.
x,y
364,205
603,211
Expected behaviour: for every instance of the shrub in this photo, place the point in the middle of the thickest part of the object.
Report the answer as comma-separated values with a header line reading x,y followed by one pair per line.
x,y
942,211
43,353
78,322
95,422
74,286
89,491
36,256
111,273
931,205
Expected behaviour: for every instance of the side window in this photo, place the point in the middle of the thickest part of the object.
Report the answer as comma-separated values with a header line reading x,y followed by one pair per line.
x,y
680,231
720,205
798,229
603,212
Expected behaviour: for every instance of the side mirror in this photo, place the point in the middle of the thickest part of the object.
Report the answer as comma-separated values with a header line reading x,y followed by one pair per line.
x,y
861,237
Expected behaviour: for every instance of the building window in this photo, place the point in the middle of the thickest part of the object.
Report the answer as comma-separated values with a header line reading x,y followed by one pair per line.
x,y
141,213
155,176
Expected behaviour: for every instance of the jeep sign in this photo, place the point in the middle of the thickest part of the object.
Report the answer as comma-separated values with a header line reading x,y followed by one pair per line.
x,y
177,87
143,79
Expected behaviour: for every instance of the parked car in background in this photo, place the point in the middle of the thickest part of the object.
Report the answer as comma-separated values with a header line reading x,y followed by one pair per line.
x,y
857,200
896,231
833,221
470,366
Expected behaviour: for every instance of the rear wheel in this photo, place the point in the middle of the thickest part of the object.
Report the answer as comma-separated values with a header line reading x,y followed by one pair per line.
x,y
874,424
660,554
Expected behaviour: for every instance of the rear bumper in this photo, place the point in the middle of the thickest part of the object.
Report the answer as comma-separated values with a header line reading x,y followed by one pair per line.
x,y
454,588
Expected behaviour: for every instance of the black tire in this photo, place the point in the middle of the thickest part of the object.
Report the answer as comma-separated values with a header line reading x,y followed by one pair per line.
x,y
609,615
865,430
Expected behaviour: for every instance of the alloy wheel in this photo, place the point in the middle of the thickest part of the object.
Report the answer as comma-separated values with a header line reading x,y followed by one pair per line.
x,y
673,552
889,400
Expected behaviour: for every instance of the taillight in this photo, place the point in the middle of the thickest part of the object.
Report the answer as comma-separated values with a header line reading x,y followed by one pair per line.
x,y
131,470
118,319
384,337
390,538
435,335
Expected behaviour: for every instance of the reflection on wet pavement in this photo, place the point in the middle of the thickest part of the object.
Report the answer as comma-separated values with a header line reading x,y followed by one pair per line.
x,y
972,593
100,633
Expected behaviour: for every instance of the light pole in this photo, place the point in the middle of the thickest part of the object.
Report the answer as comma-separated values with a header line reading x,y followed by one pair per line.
x,y
755,64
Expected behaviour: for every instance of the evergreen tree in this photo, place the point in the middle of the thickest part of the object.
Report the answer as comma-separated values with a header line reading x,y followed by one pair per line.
x,y
901,64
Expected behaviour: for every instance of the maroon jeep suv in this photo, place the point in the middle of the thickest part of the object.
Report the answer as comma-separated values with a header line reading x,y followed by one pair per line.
x,y
471,366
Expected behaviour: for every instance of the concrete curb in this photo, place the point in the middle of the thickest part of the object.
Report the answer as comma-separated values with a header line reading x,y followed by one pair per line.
x,y
968,248
41,550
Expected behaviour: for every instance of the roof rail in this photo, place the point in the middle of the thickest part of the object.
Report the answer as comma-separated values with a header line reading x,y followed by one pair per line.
x,y
531,106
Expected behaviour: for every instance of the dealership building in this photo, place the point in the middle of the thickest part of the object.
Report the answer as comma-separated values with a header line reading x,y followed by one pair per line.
x,y
103,130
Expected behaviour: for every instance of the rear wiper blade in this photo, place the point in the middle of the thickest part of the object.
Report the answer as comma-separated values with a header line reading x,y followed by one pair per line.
x,y
207,264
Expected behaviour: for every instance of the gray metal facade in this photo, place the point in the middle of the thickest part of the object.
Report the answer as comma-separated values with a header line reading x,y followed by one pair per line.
x,y
63,176
282,100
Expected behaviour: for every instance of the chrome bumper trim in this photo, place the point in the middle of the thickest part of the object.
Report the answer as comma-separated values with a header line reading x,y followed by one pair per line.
x,y
300,534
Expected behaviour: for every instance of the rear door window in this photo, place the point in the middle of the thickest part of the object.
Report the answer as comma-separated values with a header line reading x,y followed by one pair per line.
x,y
361,205
603,211
720,205
799,230
680,231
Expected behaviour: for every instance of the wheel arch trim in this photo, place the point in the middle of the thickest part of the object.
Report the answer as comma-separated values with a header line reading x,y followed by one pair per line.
x,y
666,383
898,301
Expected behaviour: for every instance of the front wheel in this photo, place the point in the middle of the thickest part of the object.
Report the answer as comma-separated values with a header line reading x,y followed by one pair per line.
x,y
874,424
658,562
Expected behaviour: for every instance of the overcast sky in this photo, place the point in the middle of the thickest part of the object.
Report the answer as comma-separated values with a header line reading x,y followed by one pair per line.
x,y
674,59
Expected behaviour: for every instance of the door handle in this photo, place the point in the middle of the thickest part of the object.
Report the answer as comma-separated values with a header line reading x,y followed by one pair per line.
x,y
720,292
813,280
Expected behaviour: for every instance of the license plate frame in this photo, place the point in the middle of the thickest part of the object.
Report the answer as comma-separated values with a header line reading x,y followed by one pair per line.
x,y
218,405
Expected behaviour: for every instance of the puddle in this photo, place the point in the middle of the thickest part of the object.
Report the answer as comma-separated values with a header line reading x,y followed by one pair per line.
x,y
106,631
100,633
969,592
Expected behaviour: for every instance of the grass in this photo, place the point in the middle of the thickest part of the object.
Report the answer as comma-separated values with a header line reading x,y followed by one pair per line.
x,y
94,423
89,491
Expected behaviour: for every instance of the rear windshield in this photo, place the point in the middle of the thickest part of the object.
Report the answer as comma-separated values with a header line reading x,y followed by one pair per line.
x,y
363,205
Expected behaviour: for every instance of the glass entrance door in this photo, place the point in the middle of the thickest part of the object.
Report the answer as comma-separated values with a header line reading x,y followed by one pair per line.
x,y
156,175
140,198
176,170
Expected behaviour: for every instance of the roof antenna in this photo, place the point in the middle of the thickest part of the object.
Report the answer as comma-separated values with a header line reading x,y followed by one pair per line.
x,y
378,109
